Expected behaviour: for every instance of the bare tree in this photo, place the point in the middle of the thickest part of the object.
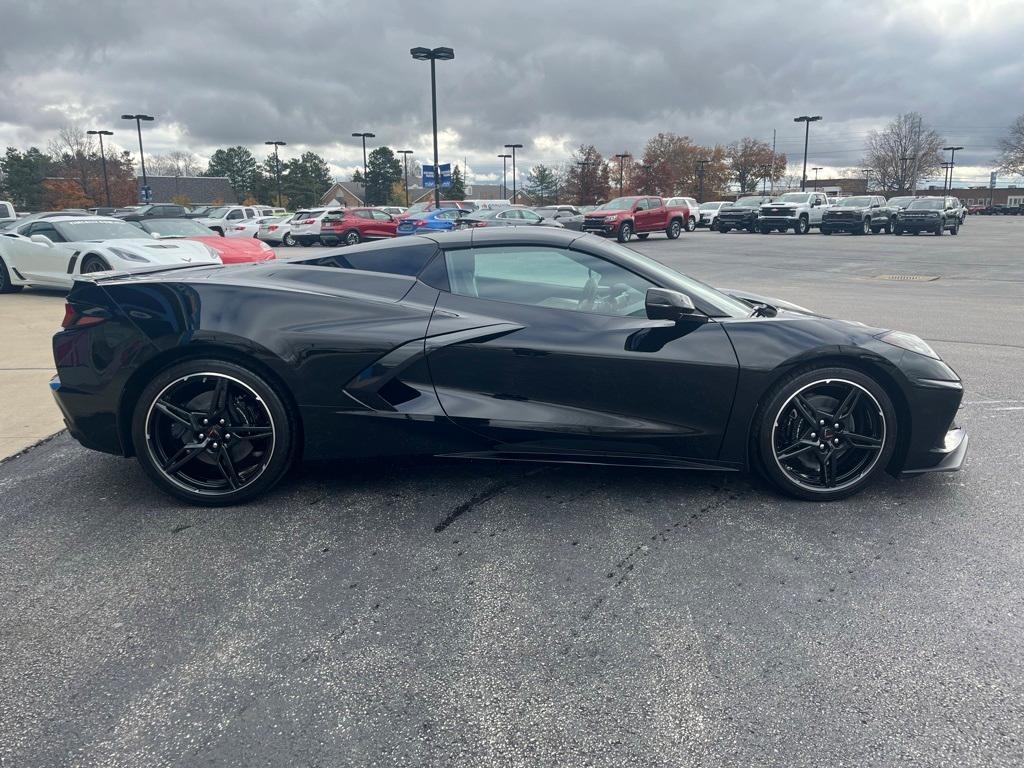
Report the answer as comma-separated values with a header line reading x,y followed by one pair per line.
x,y
176,163
752,160
902,154
1011,155
76,156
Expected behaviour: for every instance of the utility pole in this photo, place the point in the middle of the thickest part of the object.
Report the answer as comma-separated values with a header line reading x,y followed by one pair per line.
x,y
947,188
103,159
773,162
513,147
816,169
917,155
406,153
700,180
277,167
621,156
504,176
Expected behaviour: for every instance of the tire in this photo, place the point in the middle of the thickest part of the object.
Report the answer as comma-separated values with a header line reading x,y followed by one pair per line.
x,y
674,229
940,229
714,225
288,240
766,230
352,237
955,229
624,232
897,229
864,228
305,243
164,438
889,226
691,224
723,230
830,465
752,226
6,286
93,263
802,226
643,235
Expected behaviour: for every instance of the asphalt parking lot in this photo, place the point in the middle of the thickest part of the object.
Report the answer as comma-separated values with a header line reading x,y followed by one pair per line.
x,y
412,613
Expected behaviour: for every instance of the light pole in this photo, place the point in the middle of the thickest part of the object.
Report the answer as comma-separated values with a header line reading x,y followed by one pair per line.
x,y
867,180
103,160
622,156
816,169
142,158
513,147
405,159
432,55
277,166
364,137
700,179
952,161
806,120
504,175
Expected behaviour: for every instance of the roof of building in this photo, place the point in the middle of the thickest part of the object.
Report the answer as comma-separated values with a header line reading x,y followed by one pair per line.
x,y
200,190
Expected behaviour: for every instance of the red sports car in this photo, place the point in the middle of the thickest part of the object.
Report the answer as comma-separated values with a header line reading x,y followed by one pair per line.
x,y
353,225
232,250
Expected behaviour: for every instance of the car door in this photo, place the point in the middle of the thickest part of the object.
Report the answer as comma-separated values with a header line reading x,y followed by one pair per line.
x,y
40,262
384,224
641,214
548,350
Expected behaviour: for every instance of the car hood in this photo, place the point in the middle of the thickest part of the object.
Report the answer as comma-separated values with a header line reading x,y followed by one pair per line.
x,y
161,251
607,212
850,208
235,250
740,208
755,298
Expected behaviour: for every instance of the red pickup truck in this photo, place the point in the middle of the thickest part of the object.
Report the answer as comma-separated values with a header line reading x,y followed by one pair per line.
x,y
625,216
353,225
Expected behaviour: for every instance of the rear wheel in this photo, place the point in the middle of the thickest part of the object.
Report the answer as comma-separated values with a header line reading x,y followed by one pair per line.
x,y
824,433
288,240
889,227
691,224
352,237
213,432
5,280
766,230
674,229
625,232
864,228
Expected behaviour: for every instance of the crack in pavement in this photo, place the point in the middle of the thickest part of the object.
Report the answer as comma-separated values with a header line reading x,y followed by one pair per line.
x,y
483,496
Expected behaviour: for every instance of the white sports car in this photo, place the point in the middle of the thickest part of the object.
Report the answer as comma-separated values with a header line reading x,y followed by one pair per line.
x,y
51,253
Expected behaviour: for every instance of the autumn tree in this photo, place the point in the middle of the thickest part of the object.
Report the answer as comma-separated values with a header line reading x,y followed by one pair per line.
x,y
751,160
906,151
1011,146
587,178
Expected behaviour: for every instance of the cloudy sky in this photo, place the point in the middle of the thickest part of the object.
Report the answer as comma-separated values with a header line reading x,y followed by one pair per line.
x,y
549,75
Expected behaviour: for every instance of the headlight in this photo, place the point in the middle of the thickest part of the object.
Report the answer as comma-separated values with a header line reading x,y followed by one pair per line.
x,y
611,218
128,255
908,341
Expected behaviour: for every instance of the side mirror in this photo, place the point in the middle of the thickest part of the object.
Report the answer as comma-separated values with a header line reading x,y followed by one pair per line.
x,y
664,304
876,205
42,240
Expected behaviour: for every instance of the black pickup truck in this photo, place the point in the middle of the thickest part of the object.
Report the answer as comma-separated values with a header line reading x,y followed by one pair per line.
x,y
742,214
859,215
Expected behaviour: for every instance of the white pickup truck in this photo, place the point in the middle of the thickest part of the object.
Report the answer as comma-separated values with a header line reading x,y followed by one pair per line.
x,y
798,211
7,214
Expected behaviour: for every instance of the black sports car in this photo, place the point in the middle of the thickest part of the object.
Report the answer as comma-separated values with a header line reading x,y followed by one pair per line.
x,y
504,343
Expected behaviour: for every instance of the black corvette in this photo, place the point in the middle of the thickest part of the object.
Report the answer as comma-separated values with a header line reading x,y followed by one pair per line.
x,y
503,343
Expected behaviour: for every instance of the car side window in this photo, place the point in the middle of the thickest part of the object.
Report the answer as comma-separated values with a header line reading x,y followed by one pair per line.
x,y
363,214
47,230
529,216
235,215
642,205
380,215
653,202
553,278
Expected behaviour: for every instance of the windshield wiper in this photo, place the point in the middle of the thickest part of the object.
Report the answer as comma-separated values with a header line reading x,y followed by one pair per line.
x,y
763,310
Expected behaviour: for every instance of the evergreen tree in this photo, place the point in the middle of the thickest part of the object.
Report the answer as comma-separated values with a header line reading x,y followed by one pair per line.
x,y
457,190
383,170
239,166
21,178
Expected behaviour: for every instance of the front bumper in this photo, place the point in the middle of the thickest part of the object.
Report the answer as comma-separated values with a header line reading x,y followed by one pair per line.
x,y
779,221
949,457
599,229
917,225
737,222
841,225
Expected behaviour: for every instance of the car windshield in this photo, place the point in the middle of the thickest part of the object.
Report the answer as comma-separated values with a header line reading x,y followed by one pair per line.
x,y
794,197
932,204
218,213
419,207
80,231
710,206
747,201
722,304
901,201
854,202
619,204
143,209
176,228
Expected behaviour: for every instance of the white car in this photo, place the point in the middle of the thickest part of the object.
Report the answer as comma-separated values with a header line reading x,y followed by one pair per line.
x,y
52,252
305,225
277,230
709,214
693,205
226,216
246,227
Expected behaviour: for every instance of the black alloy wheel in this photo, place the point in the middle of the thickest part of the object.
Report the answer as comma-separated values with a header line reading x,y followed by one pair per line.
x,y
93,263
5,280
212,432
352,237
825,433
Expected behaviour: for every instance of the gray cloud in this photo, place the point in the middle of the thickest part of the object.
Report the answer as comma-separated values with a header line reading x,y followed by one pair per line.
x,y
603,73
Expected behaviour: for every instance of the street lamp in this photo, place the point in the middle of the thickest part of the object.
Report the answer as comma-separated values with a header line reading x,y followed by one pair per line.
x,y
816,169
142,158
621,156
364,137
952,161
513,147
406,153
867,180
806,120
277,166
103,159
504,175
433,55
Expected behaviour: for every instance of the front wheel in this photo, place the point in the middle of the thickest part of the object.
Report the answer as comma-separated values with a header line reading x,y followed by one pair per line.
x,y
940,229
955,229
825,433
766,230
352,238
889,227
212,432
802,226
714,225
625,232
5,280
93,263
722,229
674,229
